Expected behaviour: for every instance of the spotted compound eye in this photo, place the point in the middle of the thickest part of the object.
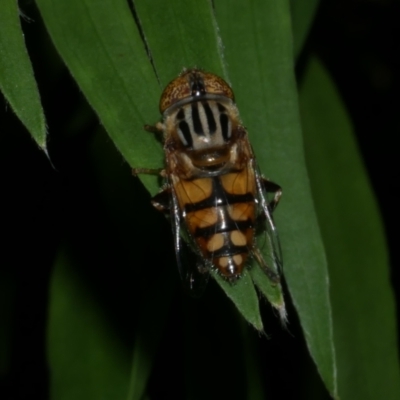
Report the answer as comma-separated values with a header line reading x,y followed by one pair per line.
x,y
194,83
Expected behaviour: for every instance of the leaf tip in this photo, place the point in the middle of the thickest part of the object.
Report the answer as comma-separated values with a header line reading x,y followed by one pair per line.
x,y
44,148
283,317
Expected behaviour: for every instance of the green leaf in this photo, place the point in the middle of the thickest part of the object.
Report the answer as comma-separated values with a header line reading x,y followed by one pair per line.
x,y
259,54
362,300
17,81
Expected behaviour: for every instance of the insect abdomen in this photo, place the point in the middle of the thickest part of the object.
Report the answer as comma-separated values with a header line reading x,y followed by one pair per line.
x,y
220,214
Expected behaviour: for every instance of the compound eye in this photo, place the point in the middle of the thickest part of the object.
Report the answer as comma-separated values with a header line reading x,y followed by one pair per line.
x,y
194,83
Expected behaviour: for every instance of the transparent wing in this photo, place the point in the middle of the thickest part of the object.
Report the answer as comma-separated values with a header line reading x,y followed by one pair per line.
x,y
268,252
192,266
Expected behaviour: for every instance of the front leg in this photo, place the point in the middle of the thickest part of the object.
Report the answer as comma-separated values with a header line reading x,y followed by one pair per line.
x,y
157,129
149,171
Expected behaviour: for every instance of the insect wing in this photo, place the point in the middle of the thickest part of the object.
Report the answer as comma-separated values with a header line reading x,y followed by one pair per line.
x,y
269,241
192,267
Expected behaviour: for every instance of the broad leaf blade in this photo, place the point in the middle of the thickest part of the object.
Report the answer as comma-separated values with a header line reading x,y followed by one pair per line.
x,y
17,81
362,299
260,58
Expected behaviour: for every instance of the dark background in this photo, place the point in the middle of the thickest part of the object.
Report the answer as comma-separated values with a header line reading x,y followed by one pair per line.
x,y
42,206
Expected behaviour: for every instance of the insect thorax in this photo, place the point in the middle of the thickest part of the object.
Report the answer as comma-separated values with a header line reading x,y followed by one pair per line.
x,y
203,124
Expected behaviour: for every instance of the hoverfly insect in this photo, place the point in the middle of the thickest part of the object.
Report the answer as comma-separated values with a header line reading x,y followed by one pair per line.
x,y
214,191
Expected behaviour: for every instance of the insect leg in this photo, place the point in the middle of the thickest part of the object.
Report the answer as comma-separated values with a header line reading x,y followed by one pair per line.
x,y
270,187
272,275
158,128
274,188
149,171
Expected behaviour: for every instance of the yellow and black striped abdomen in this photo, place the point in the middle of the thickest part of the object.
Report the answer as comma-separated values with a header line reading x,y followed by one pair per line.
x,y
219,213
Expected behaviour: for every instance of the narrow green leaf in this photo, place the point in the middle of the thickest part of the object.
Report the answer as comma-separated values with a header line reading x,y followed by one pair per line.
x,y
88,361
17,81
362,299
259,54
302,12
